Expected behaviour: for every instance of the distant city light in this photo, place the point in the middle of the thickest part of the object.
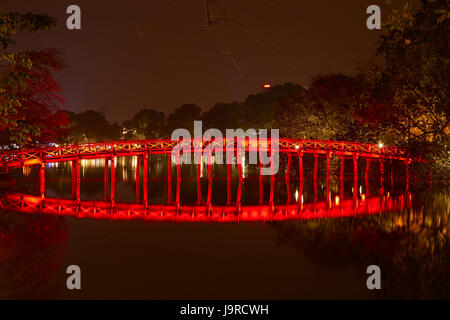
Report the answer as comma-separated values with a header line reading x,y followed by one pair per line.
x,y
267,86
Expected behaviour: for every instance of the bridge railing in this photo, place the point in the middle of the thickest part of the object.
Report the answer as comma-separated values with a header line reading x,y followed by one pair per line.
x,y
47,154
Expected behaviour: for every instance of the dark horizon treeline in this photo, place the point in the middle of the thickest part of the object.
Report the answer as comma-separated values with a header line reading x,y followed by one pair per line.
x,y
257,111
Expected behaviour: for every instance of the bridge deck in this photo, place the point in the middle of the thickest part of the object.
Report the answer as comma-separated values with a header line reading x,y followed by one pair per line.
x,y
29,157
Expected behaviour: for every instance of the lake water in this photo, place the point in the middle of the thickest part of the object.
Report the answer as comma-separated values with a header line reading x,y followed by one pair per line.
x,y
321,253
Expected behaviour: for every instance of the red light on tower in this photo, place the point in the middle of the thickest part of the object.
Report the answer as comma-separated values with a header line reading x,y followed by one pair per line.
x,y
267,86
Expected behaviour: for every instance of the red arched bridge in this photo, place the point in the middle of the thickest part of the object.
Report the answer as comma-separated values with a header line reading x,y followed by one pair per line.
x,y
143,148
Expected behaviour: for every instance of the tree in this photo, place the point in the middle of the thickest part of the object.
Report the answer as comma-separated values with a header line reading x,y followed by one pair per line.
x,y
147,123
224,116
262,108
37,117
183,118
29,94
91,126
327,111
409,94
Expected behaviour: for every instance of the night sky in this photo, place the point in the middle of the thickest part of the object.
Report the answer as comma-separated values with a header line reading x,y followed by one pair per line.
x,y
175,61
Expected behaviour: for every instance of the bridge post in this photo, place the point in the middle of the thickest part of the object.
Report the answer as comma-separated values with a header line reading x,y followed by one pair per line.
x,y
366,177
77,166
239,192
199,183
210,177
229,158
145,180
300,173
74,179
138,174
113,180
392,175
105,180
178,180
272,182
261,186
328,178
42,180
341,177
381,177
355,175
407,175
169,178
288,178
316,165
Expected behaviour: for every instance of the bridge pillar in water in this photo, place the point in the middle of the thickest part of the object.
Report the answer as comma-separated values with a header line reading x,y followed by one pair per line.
x,y
76,179
178,191
113,180
328,178
381,177
229,159
392,175
300,173
316,166
145,180
341,177
366,177
169,178
288,178
42,180
355,176
199,183
138,176
272,181
407,175
210,179
105,179
261,186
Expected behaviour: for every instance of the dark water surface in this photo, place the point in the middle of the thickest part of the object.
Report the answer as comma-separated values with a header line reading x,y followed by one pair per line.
x,y
311,258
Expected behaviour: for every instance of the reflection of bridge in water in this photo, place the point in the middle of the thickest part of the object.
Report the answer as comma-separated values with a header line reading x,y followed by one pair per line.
x,y
204,213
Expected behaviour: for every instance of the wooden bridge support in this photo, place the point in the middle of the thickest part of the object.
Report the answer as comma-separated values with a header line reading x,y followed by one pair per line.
x,y
145,180
366,177
105,179
355,176
210,179
229,157
316,166
178,191
239,192
407,176
113,180
288,178
261,186
341,177
76,180
272,182
42,180
138,176
169,178
381,177
328,178
300,173
392,175
199,183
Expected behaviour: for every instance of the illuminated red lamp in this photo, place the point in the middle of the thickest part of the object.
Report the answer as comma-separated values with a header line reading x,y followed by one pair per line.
x,y
267,86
